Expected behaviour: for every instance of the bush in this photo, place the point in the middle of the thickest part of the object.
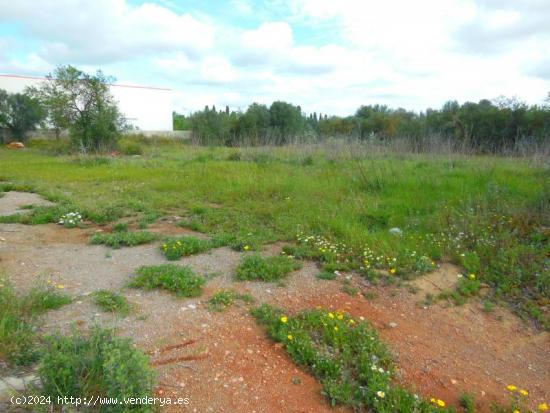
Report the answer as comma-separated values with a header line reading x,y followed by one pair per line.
x,y
99,365
225,298
129,147
256,267
181,280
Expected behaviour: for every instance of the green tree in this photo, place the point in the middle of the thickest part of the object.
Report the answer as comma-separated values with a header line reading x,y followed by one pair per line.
x,y
287,121
83,103
19,113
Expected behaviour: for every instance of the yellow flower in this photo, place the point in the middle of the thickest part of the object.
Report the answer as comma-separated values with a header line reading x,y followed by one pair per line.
x,y
246,247
289,337
381,394
284,319
440,403
335,328
472,276
543,407
524,392
393,270
60,286
340,317
511,387
351,321
516,411
331,315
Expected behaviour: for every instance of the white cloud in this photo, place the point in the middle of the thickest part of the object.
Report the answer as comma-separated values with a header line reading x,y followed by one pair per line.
x,y
103,31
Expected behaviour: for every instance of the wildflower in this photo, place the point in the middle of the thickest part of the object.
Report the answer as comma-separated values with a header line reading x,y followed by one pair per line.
x,y
524,392
284,319
511,387
60,286
472,276
543,407
331,315
381,394
289,337
246,247
351,321
459,276
392,271
516,411
335,328
340,317
440,403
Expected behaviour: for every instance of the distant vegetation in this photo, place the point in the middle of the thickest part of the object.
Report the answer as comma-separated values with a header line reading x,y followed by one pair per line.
x,y
486,126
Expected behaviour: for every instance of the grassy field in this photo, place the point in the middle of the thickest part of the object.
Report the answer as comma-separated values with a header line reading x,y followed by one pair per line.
x,y
490,215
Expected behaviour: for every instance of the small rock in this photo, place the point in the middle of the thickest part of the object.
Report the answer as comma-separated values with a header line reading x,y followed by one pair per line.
x,y
395,231
192,306
392,325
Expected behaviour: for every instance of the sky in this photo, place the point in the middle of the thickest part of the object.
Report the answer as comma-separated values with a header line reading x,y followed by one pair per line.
x,y
328,56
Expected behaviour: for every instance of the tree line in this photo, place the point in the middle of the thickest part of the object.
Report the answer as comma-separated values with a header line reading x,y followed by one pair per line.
x,y
485,126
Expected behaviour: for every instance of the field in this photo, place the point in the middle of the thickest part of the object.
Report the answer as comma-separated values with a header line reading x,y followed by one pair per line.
x,y
428,248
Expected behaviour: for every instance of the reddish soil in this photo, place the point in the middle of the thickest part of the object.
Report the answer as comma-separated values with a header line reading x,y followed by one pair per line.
x,y
225,362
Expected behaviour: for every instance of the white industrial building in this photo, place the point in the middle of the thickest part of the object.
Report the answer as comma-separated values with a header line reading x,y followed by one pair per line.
x,y
147,108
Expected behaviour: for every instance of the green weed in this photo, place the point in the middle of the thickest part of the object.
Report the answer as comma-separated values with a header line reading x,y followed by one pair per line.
x,y
256,267
175,248
223,299
111,302
180,280
124,238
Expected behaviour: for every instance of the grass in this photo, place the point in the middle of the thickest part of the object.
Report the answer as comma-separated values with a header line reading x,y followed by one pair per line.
x,y
119,239
257,267
18,320
491,209
97,365
346,355
180,280
111,302
224,299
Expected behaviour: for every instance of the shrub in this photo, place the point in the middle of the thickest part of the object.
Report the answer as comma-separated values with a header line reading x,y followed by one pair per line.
x,y
98,365
112,302
129,147
124,238
256,267
181,280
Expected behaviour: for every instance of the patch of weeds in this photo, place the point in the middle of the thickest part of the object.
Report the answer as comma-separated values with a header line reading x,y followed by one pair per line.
x,y
17,320
302,252
175,248
488,306
370,295
180,280
239,242
98,365
466,287
225,298
124,238
346,355
92,161
326,275
129,147
468,402
257,267
349,289
234,156
120,227
111,302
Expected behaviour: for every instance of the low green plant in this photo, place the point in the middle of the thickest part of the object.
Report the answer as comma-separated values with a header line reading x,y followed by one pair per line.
x,y
175,248
257,267
111,302
98,365
326,275
346,355
119,239
180,280
129,147
18,320
225,298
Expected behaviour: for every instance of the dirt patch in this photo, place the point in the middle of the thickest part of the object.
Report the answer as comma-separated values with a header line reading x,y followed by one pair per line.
x,y
224,361
444,279
12,202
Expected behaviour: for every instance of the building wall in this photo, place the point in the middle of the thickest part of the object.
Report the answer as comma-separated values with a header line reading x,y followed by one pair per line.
x,y
148,108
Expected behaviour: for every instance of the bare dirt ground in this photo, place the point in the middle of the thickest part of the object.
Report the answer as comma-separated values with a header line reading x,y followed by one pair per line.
x,y
12,202
223,362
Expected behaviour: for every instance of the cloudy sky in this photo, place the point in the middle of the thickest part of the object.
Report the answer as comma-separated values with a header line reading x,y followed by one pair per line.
x,y
328,56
